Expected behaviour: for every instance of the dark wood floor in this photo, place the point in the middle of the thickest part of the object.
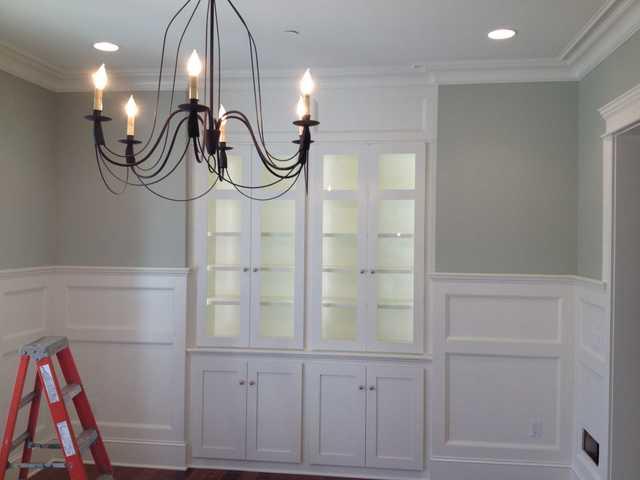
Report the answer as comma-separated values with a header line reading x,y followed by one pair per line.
x,y
122,473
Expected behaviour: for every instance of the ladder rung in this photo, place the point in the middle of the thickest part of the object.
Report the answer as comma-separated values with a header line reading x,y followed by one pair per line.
x,y
27,399
44,347
19,441
87,438
70,391
49,446
38,466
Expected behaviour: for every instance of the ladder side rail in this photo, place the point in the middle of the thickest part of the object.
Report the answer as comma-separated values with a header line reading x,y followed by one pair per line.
x,y
87,419
32,426
10,427
61,420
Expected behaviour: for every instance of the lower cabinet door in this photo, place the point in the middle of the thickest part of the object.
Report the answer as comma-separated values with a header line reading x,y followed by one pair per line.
x,y
274,413
337,414
395,417
220,408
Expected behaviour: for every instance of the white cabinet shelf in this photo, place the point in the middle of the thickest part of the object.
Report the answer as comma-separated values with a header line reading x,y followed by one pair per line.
x,y
366,247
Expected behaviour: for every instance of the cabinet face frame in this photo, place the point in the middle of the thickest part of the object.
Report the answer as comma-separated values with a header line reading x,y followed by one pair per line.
x,y
249,302
368,197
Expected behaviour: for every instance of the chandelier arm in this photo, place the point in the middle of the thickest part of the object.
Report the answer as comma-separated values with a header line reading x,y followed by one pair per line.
x,y
149,154
274,197
241,117
104,180
159,87
166,158
179,200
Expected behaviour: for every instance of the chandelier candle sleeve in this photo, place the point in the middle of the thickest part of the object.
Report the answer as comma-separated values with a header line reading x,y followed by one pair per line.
x,y
132,110
301,111
99,82
194,67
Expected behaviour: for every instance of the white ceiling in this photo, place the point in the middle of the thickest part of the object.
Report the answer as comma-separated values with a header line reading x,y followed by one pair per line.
x,y
334,33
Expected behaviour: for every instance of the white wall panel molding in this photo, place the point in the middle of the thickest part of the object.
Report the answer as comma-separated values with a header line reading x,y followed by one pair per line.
x,y
502,367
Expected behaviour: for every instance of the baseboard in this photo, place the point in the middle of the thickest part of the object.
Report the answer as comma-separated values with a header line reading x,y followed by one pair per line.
x,y
454,469
146,453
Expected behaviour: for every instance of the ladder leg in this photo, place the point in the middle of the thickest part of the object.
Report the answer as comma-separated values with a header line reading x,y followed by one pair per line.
x,y
32,426
9,429
87,419
61,421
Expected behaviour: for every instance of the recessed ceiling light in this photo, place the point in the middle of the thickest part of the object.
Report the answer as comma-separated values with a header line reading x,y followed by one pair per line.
x,y
502,34
106,46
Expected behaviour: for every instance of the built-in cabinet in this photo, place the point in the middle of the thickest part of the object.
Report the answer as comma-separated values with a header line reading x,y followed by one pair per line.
x,y
369,416
366,247
246,409
357,415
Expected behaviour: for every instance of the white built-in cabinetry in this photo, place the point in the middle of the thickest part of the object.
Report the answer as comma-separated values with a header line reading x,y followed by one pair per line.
x,y
246,409
366,416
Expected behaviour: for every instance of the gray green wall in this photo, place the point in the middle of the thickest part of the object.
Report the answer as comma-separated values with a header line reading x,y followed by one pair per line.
x,y
27,174
617,74
95,227
506,190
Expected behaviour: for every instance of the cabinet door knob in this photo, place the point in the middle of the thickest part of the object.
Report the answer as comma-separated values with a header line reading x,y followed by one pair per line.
x,y
363,271
241,382
252,383
361,387
373,272
245,269
255,269
372,388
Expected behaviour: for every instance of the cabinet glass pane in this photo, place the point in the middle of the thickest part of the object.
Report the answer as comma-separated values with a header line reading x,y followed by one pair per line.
x,y
224,284
396,217
278,251
340,252
277,293
276,321
235,173
278,216
340,172
224,251
340,287
395,325
339,217
339,323
225,216
223,320
397,171
395,253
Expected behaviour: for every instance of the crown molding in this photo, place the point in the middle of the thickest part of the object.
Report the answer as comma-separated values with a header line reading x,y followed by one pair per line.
x,y
614,23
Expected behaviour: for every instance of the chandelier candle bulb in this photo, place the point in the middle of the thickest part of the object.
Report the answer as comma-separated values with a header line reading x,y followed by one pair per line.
x,y
306,88
223,124
194,67
99,82
132,110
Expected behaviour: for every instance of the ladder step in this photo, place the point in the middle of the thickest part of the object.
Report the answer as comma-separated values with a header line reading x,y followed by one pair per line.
x,y
38,466
70,391
19,441
87,438
27,399
44,347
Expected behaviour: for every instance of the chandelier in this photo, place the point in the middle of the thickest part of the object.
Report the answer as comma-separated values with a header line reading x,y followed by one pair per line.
x,y
147,164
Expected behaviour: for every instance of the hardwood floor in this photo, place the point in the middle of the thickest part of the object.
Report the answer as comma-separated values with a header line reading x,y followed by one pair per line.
x,y
125,473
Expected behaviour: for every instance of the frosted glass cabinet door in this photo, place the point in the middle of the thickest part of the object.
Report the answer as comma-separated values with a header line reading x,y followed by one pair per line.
x,y
395,314
227,308
277,273
337,247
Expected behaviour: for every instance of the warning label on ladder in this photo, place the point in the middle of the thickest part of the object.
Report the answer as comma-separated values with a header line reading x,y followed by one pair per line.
x,y
65,437
49,384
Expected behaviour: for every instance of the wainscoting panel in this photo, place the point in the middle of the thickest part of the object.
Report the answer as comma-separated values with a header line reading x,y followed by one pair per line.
x,y
127,328
592,376
503,376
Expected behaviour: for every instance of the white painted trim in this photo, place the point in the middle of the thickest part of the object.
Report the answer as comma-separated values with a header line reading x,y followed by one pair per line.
x,y
516,278
177,272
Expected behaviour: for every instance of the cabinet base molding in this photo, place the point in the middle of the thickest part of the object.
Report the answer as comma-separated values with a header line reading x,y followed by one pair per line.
x,y
306,469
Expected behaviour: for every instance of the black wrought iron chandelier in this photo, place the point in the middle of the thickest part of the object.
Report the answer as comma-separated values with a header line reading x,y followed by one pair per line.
x,y
148,165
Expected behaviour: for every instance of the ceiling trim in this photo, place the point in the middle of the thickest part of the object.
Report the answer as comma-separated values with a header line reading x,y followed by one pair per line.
x,y
609,28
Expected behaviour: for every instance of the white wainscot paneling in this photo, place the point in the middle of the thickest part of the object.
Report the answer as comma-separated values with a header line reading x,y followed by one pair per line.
x,y
592,377
503,378
127,331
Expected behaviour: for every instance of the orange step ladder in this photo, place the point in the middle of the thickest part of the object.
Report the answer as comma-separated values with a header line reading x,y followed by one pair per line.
x,y
42,352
